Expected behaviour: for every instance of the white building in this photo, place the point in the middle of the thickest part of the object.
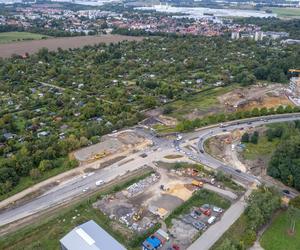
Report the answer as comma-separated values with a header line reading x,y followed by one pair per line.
x,y
235,35
258,36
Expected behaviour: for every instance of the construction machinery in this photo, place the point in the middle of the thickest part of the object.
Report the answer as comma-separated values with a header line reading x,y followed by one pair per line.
x,y
198,184
138,215
100,155
294,72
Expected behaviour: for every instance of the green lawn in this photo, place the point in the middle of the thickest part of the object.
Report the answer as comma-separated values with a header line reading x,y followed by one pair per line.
x,y
287,12
8,37
234,233
277,238
205,102
263,148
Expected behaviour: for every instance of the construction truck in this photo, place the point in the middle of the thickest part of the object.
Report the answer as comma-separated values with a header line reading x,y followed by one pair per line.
x,y
198,184
294,72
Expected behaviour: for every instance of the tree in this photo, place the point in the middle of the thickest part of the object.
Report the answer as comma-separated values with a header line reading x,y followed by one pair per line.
x,y
254,138
255,216
45,165
227,245
293,215
245,138
35,173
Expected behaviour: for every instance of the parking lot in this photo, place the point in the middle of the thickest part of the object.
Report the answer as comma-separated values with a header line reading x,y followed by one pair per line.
x,y
190,225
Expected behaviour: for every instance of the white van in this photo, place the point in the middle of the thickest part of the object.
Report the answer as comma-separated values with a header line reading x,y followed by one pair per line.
x,y
211,220
100,182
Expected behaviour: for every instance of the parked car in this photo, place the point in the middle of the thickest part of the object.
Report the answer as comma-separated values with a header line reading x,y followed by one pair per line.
x,y
199,225
217,209
99,183
194,215
205,211
211,220
175,247
285,191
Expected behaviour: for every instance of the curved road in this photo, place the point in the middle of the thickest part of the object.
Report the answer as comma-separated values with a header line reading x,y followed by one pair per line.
x,y
68,190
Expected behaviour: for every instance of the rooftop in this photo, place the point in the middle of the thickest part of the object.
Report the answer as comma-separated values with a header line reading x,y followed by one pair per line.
x,y
90,236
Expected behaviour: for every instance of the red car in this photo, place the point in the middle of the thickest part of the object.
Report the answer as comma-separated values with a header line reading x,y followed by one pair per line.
x,y
175,247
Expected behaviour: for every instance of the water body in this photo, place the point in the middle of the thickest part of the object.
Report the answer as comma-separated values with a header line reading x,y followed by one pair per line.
x,y
82,2
93,3
199,12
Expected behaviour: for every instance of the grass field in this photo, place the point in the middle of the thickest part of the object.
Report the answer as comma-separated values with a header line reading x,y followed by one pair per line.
x,y
234,233
277,238
263,148
47,233
286,12
8,37
205,102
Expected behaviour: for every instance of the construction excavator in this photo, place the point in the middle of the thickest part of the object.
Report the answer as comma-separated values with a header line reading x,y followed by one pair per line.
x,y
137,216
100,155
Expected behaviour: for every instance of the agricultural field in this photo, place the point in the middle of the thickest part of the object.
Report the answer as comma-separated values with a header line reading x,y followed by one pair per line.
x,y
286,12
278,237
9,37
31,47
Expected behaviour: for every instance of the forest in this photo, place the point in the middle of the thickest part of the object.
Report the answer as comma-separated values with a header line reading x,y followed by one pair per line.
x,y
55,102
285,162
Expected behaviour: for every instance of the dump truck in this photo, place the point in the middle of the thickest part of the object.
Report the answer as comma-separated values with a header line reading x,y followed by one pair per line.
x,y
197,183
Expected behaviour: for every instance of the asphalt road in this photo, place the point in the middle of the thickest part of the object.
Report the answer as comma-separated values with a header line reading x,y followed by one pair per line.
x,y
203,157
76,186
161,147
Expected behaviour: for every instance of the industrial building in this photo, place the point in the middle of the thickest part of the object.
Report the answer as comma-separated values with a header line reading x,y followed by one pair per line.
x,y
89,236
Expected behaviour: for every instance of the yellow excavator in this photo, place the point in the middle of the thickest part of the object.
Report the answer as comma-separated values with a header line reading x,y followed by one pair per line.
x,y
138,215
100,155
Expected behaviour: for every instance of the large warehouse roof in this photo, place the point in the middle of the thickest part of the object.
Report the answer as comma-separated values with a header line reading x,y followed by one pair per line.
x,y
90,236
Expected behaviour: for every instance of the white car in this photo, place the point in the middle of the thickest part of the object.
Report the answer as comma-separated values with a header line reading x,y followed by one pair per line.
x,y
211,220
85,190
217,209
99,183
